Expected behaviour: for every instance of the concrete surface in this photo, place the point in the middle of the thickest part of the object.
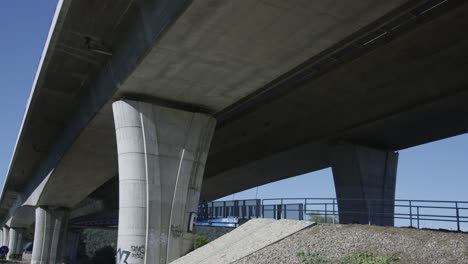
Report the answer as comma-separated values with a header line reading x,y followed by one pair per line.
x,y
243,241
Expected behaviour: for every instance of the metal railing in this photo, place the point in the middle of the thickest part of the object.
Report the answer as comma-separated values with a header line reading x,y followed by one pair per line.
x,y
434,214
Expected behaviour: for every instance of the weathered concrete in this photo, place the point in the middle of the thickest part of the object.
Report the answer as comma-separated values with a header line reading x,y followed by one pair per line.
x,y
49,235
162,154
365,184
243,241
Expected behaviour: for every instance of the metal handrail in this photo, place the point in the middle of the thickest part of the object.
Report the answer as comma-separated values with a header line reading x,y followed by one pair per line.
x,y
298,208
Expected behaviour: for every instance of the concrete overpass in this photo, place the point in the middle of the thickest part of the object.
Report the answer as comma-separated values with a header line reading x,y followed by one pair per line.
x,y
152,92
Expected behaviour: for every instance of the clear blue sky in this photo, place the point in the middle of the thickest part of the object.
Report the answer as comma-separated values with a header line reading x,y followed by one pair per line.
x,y
437,170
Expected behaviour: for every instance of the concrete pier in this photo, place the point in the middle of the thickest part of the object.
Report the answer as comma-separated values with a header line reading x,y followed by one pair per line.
x,y
6,237
49,235
13,242
161,154
365,184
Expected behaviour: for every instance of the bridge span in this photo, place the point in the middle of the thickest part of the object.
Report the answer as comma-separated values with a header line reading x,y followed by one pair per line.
x,y
145,107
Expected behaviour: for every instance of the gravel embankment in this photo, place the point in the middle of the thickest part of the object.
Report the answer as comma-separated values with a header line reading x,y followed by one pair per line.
x,y
336,241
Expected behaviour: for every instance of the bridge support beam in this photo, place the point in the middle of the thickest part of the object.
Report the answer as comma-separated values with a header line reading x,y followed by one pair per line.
x,y
19,241
365,184
13,242
49,235
6,236
162,153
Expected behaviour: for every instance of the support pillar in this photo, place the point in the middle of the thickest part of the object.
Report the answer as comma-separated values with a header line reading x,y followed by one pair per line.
x,y
6,238
1,237
59,236
49,235
19,242
12,243
365,184
162,154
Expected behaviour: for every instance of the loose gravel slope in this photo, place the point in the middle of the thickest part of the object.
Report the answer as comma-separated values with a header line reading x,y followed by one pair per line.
x,y
337,241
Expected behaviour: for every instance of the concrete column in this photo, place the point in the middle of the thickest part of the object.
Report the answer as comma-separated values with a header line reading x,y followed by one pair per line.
x,y
42,236
162,154
59,236
6,238
48,235
19,242
1,237
12,243
365,184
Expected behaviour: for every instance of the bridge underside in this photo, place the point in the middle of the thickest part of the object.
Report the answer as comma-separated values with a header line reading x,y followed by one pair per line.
x,y
286,88
403,87
410,88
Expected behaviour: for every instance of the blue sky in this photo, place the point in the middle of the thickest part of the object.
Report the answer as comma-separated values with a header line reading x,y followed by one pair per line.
x,y
433,171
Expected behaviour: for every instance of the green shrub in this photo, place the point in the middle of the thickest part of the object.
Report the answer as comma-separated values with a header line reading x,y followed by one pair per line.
x,y
16,256
320,219
105,255
97,239
312,258
200,241
366,258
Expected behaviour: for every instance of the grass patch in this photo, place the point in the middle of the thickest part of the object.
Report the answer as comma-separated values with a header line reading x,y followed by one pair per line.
x,y
366,258
200,241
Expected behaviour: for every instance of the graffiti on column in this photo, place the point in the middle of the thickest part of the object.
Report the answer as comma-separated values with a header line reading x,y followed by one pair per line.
x,y
176,230
122,256
138,252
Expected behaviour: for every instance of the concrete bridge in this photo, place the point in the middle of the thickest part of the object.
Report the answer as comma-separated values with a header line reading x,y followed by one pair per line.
x,y
147,106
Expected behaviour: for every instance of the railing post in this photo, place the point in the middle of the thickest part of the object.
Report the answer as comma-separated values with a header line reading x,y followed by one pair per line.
x,y
224,209
278,211
411,213
263,210
333,201
326,220
282,209
304,213
458,216
417,211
